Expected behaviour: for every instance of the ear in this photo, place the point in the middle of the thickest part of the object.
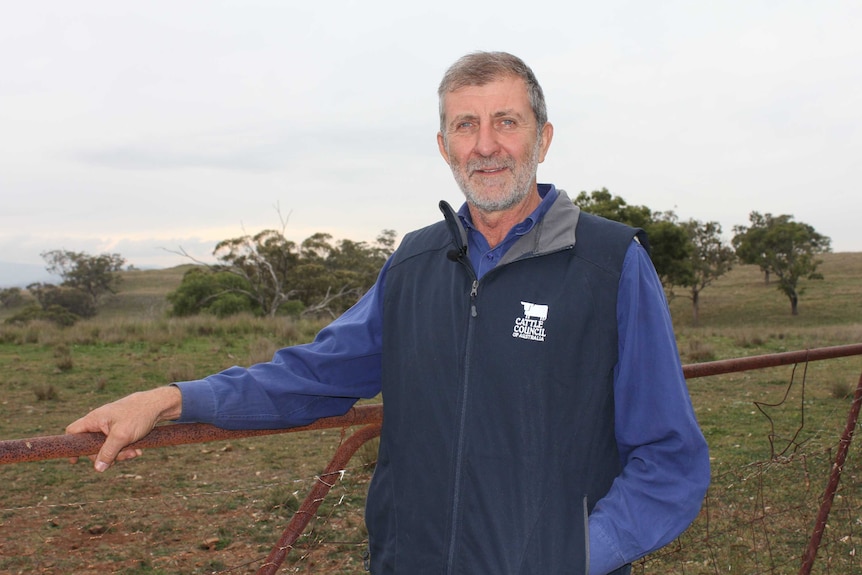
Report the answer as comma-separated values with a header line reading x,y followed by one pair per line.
x,y
441,145
547,136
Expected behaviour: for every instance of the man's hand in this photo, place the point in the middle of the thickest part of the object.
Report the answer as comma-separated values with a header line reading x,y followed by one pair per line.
x,y
127,420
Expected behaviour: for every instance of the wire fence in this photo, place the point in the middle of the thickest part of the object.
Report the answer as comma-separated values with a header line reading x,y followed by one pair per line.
x,y
228,508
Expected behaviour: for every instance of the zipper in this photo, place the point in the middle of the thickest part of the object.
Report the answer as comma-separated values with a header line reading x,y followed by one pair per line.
x,y
459,451
474,291
460,256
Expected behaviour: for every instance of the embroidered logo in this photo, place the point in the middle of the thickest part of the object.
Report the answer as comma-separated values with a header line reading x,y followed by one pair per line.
x,y
532,325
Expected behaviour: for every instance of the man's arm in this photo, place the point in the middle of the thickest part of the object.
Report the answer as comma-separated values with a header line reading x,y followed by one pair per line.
x,y
664,455
127,420
301,384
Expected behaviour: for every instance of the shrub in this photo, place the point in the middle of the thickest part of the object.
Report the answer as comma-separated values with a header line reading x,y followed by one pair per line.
x,y
230,304
700,352
45,392
11,297
73,300
63,358
841,390
217,293
54,314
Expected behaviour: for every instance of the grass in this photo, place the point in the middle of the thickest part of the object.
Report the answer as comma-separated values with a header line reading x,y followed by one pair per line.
x,y
220,507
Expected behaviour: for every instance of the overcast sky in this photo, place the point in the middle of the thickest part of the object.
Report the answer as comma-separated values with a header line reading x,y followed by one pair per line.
x,y
136,127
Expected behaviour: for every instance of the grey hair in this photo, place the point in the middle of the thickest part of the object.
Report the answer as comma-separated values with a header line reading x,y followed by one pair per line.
x,y
481,68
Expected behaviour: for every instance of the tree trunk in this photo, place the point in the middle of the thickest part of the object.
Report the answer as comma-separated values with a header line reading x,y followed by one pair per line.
x,y
695,305
794,304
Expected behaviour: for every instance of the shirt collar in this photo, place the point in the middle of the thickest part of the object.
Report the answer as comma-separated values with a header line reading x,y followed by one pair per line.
x,y
547,192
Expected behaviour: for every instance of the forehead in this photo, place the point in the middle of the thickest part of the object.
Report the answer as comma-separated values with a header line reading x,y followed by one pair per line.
x,y
505,94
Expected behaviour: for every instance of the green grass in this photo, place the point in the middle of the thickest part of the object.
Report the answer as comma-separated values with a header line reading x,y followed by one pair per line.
x,y
219,506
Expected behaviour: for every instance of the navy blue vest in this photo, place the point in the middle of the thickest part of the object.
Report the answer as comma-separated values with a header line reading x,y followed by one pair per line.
x,y
498,434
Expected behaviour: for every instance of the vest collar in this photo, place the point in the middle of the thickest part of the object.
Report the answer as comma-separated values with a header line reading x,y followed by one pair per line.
x,y
554,232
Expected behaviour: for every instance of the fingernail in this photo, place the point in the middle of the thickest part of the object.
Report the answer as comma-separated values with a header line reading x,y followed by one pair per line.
x,y
101,466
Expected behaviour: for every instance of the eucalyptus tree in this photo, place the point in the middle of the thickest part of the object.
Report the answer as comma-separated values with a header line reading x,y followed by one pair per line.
x,y
668,240
271,273
711,257
93,275
783,248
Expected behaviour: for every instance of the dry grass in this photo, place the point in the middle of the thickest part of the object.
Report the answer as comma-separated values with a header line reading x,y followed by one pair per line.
x,y
216,507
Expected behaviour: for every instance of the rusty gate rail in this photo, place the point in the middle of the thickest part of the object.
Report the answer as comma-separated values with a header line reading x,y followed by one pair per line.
x,y
694,370
81,444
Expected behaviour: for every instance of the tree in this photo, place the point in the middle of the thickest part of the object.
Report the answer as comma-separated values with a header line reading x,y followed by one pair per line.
x,y
93,275
669,246
670,251
783,248
72,299
602,203
315,277
749,242
330,278
11,297
710,259
265,262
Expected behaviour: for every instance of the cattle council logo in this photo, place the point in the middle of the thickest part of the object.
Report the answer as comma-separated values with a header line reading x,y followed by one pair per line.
x,y
532,325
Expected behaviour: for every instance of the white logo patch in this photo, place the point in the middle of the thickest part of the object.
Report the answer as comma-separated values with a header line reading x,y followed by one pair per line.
x,y
532,325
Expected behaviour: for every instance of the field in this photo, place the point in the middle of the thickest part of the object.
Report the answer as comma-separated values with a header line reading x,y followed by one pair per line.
x,y
219,507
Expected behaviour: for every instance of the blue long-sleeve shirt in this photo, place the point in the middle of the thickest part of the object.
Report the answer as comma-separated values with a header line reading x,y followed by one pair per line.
x,y
664,456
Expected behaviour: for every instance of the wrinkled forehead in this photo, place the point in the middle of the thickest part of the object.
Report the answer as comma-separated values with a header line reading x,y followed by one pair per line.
x,y
505,94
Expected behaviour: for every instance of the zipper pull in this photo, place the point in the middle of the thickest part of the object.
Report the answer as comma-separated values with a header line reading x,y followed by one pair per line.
x,y
473,293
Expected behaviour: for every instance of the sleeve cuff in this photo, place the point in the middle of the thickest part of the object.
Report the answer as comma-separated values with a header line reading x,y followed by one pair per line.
x,y
198,402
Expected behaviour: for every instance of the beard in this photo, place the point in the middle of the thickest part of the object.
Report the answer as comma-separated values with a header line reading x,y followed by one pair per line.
x,y
498,198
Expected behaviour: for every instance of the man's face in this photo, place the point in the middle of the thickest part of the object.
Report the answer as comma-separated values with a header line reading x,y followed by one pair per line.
x,y
490,141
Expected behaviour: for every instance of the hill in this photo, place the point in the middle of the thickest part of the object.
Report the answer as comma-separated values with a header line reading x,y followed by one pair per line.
x,y
142,293
735,300
742,298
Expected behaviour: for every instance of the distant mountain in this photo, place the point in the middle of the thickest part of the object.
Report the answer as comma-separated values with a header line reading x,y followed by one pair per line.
x,y
22,275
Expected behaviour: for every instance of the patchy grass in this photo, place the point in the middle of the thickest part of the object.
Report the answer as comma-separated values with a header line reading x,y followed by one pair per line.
x,y
220,507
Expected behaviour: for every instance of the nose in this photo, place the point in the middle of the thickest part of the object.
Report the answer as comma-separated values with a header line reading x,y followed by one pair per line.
x,y
487,143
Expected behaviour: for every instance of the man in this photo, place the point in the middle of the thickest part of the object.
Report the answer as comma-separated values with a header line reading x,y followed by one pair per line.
x,y
537,419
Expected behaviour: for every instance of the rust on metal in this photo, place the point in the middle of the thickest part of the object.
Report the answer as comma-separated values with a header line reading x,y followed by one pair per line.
x,y
82,444
832,486
770,360
312,501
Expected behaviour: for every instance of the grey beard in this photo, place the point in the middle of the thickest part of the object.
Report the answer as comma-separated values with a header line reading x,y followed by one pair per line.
x,y
521,187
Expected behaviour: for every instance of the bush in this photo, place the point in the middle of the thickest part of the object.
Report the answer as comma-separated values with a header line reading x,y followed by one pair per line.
x,y
54,314
292,308
63,358
204,291
11,297
74,300
45,392
699,351
229,304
